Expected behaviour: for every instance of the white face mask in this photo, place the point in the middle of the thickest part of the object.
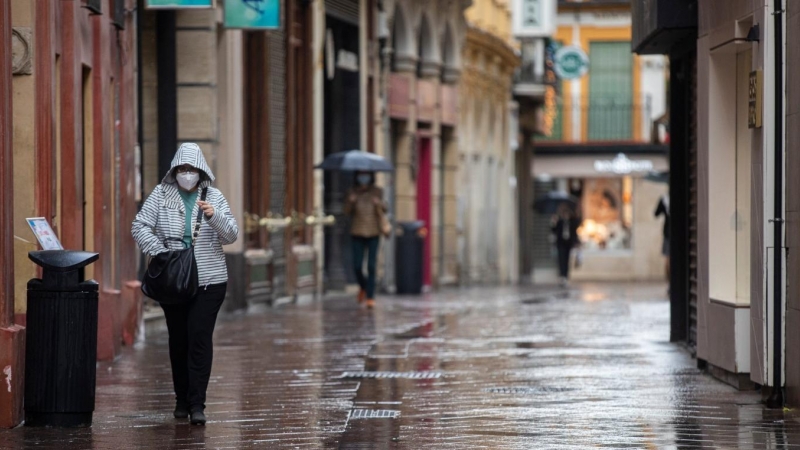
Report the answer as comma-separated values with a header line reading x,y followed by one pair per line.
x,y
364,179
188,180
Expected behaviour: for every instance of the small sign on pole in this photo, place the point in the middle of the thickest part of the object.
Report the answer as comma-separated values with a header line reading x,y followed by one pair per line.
x,y
253,14
754,100
44,234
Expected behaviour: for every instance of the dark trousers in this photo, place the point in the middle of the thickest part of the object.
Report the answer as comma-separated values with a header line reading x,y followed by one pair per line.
x,y
361,244
191,350
564,249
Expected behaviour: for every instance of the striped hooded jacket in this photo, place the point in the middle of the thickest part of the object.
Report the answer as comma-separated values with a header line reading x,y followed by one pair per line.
x,y
162,217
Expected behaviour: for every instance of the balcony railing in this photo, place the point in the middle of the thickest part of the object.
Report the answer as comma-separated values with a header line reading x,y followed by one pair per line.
x,y
601,120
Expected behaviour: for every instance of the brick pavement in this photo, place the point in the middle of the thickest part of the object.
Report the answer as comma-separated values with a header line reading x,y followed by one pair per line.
x,y
493,368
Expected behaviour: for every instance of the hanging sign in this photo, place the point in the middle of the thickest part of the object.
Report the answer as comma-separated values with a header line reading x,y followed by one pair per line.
x,y
534,18
253,14
179,4
44,234
571,62
754,100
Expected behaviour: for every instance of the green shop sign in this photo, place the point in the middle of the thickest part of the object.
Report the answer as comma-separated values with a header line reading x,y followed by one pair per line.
x,y
253,14
571,62
179,4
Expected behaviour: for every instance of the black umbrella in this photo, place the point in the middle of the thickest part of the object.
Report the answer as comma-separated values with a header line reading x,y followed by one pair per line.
x,y
657,177
550,202
356,161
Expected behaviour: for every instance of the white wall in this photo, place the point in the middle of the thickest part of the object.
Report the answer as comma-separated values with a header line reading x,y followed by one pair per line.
x,y
653,90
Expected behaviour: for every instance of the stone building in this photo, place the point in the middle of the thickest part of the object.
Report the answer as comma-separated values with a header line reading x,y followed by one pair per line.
x,y
421,133
486,196
601,145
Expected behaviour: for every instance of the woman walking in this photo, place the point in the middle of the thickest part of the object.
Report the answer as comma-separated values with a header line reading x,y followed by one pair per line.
x,y
167,222
366,208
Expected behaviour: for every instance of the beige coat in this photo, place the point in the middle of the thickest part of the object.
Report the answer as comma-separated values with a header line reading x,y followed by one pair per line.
x,y
364,213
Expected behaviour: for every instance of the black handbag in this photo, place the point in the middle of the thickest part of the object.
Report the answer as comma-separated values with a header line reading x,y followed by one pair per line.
x,y
171,277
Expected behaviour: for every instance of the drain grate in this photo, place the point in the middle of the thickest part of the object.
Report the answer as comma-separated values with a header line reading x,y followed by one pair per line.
x,y
391,375
374,414
527,390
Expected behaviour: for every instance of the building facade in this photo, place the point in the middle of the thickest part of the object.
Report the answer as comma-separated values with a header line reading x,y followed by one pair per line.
x,y
486,208
70,159
245,96
417,126
740,306
600,142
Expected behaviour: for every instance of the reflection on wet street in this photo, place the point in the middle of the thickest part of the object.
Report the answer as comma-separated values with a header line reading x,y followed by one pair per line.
x,y
494,368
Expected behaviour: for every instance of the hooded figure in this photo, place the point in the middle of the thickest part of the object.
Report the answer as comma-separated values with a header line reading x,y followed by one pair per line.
x,y
165,223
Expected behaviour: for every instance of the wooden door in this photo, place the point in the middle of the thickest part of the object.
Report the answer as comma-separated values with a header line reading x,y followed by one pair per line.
x,y
299,164
256,134
424,192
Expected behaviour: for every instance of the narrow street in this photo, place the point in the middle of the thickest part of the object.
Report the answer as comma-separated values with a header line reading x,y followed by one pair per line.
x,y
502,368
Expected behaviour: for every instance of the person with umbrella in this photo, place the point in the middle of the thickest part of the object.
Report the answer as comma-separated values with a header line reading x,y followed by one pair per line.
x,y
564,226
366,209
365,206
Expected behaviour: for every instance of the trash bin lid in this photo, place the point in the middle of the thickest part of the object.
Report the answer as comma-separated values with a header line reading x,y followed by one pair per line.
x,y
63,260
412,226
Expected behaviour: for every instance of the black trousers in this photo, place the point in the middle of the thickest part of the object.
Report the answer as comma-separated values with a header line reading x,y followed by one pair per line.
x,y
360,244
191,350
564,249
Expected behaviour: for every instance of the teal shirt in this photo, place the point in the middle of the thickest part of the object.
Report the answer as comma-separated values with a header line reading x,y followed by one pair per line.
x,y
189,200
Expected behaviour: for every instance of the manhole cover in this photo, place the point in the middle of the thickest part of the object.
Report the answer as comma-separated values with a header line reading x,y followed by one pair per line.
x,y
374,414
527,390
390,375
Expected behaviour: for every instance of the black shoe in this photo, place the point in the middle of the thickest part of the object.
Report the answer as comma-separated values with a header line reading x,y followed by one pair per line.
x,y
181,411
198,418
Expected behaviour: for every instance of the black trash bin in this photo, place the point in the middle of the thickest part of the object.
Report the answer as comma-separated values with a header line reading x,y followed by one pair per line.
x,y
409,257
61,350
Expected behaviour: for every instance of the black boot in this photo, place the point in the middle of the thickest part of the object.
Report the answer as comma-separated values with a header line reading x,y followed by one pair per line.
x,y
198,418
181,411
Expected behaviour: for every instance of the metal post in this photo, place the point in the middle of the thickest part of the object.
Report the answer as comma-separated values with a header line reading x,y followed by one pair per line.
x,y
776,400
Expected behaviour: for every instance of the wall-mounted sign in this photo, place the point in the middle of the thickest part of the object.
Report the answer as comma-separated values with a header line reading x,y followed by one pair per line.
x,y
571,62
621,165
253,14
534,18
347,60
179,4
754,100
44,234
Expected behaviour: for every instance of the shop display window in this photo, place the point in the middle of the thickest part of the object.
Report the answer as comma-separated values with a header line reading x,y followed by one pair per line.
x,y
606,211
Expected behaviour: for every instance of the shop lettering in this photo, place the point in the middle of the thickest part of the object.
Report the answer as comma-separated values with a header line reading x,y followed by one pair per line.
x,y
622,165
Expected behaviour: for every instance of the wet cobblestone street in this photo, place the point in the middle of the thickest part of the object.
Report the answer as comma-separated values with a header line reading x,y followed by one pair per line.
x,y
493,368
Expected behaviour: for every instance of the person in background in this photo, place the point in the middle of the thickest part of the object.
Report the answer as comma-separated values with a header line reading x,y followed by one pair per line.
x,y
564,226
166,222
662,209
365,207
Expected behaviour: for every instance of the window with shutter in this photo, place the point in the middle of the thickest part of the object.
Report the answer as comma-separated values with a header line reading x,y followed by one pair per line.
x,y
610,91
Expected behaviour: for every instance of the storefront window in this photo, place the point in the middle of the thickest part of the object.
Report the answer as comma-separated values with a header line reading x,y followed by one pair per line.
x,y
607,212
